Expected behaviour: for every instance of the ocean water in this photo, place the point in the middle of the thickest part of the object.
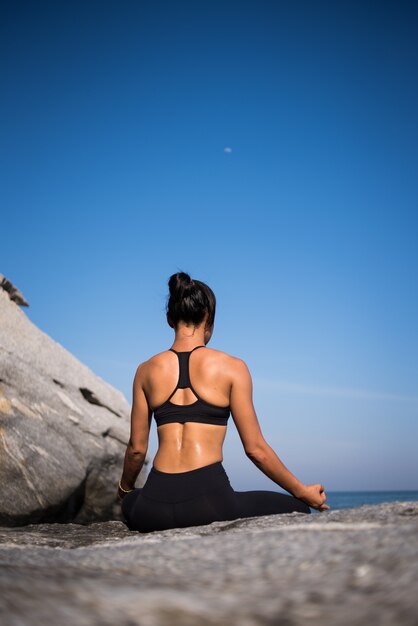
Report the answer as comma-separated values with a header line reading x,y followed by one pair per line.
x,y
350,499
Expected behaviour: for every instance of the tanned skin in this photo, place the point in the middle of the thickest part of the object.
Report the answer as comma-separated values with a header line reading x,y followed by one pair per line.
x,y
220,379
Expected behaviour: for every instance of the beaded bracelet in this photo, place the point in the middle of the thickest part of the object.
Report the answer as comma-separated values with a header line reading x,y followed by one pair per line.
x,y
124,490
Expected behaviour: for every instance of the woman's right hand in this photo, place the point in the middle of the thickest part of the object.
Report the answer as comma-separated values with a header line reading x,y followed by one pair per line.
x,y
314,496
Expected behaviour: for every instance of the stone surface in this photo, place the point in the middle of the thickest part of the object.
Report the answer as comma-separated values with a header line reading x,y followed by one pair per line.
x,y
345,567
63,430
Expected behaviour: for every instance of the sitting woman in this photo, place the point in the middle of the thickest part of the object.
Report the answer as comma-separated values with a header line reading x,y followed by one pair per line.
x,y
192,390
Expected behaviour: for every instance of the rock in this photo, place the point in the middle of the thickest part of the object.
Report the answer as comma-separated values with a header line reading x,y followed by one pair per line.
x,y
14,293
63,430
347,567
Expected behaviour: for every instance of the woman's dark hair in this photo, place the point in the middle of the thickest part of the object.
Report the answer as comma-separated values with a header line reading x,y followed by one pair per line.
x,y
189,300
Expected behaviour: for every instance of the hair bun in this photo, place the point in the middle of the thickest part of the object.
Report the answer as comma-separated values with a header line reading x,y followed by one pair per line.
x,y
179,282
189,301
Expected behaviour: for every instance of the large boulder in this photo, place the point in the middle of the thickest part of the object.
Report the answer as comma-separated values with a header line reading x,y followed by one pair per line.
x,y
63,430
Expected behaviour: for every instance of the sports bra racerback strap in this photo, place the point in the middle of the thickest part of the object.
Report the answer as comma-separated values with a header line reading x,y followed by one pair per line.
x,y
184,377
199,411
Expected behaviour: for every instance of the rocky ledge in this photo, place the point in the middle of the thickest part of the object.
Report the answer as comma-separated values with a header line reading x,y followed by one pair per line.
x,y
350,566
63,429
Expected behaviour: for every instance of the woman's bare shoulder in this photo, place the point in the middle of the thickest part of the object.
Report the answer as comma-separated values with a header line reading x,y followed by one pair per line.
x,y
234,363
156,361
228,361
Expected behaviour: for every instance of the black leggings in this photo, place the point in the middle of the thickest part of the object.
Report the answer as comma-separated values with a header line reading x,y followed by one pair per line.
x,y
200,496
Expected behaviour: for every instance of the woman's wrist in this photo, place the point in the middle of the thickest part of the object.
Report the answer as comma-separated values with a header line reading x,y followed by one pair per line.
x,y
298,491
124,488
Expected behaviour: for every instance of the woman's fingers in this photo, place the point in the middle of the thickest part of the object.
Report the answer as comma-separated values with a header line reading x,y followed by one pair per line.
x,y
323,507
315,496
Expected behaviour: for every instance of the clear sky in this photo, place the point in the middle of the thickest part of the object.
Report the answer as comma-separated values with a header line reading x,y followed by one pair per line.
x,y
268,148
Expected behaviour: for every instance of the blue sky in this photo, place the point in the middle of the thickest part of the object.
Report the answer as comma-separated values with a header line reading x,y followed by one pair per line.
x,y
116,119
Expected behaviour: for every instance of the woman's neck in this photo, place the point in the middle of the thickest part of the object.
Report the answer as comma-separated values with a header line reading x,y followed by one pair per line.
x,y
188,338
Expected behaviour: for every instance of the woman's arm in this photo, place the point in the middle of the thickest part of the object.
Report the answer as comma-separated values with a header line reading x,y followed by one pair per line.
x,y
257,448
137,447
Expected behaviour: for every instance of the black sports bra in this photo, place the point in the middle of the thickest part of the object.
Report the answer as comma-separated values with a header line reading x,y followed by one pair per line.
x,y
198,411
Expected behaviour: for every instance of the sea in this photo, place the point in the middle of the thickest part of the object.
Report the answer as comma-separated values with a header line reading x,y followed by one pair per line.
x,y
351,499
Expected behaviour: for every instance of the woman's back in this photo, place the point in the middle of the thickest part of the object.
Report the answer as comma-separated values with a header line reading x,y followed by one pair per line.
x,y
189,392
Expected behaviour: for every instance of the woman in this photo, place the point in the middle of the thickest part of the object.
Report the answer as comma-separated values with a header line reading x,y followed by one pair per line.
x,y
191,390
